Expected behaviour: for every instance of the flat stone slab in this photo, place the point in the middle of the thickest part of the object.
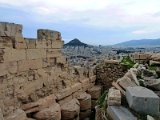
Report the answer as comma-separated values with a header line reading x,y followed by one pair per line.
x,y
120,113
143,100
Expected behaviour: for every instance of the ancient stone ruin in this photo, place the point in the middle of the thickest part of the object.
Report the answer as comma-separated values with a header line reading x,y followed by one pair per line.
x,y
37,83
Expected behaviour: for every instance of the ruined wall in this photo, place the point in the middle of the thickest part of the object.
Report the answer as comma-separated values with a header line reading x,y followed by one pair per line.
x,y
31,69
109,71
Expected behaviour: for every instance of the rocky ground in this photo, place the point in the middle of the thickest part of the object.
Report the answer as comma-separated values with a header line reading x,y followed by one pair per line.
x,y
135,96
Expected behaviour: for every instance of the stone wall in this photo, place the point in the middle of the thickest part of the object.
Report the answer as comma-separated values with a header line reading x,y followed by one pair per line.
x,y
33,69
109,71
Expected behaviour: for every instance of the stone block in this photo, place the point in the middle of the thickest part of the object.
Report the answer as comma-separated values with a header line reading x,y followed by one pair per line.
x,y
125,82
114,97
17,115
61,60
40,44
77,94
64,93
6,42
57,44
3,69
49,62
9,54
19,43
46,34
95,92
70,110
76,87
53,53
120,113
143,100
35,64
31,43
65,100
25,65
40,104
36,53
12,67
10,29
85,84
53,112
85,101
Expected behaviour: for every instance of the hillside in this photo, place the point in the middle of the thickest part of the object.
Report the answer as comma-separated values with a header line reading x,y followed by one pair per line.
x,y
142,42
75,42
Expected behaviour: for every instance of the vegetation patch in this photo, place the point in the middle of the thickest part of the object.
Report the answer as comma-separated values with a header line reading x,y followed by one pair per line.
x,y
126,61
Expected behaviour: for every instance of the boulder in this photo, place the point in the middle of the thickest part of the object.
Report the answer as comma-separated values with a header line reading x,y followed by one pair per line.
x,y
142,100
120,113
51,113
70,110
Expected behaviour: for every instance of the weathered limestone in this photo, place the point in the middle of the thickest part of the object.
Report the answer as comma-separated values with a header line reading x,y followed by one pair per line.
x,y
85,84
65,100
70,110
45,34
95,92
120,113
35,53
125,82
34,75
85,101
85,105
1,115
76,87
31,43
9,55
10,29
114,97
53,112
40,104
64,93
143,100
17,115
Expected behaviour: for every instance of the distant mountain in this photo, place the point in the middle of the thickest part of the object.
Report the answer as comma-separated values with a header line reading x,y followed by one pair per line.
x,y
142,42
76,42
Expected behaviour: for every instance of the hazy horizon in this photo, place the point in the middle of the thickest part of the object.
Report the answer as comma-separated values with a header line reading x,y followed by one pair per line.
x,y
91,21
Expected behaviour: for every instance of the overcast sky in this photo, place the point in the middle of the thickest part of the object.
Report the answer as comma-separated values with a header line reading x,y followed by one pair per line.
x,y
92,21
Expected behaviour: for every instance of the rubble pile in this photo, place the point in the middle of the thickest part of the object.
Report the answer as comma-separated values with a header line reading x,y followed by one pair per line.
x,y
135,95
109,71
